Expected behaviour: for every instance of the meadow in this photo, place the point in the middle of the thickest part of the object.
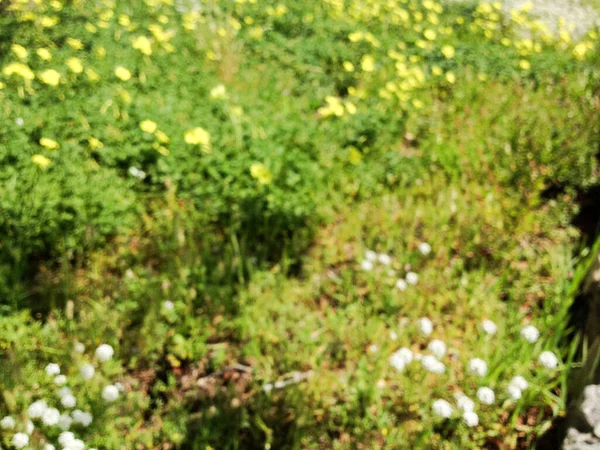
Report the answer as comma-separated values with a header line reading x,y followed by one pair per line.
x,y
248,224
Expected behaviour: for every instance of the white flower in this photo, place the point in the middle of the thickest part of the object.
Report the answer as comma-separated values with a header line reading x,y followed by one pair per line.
x,y
424,248
401,358
370,255
36,409
137,173
68,401
29,427
59,380
478,366
110,393
19,121
519,382
268,387
84,418
530,333
366,265
65,390
87,371
169,305
373,348
393,336
437,347
432,364
52,369
7,423
548,360
20,440
79,347
49,447
486,395
65,438
51,417
401,285
384,259
412,278
64,423
489,327
75,444
464,403
514,392
104,352
426,326
442,408
471,418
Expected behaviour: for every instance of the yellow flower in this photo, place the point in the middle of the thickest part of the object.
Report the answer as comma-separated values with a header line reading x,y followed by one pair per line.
x,y
20,69
261,173
50,76
524,64
256,32
430,34
40,161
75,65
367,63
148,126
2,85
44,53
218,92
448,51
351,108
122,73
90,27
100,52
356,36
162,137
125,96
581,49
450,77
334,107
348,66
19,50
95,143
75,44
92,75
198,136
48,22
49,143
124,20
143,44
436,70
354,155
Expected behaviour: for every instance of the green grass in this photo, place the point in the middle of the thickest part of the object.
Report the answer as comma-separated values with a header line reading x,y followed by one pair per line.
x,y
228,275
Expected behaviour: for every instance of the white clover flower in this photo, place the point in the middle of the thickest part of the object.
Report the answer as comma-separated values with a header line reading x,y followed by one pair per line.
x,y
432,364
401,358
442,408
49,447
79,347
51,417
268,387
87,371
20,440
65,438
59,380
514,392
169,305
519,382
486,395
104,352
75,444
370,255
489,327
384,259
464,403
530,333
437,347
68,401
470,418
412,278
426,326
84,418
52,369
29,427
110,393
373,348
424,248
548,360
134,171
36,409
401,285
64,423
7,423
19,121
65,390
366,265
393,336
478,367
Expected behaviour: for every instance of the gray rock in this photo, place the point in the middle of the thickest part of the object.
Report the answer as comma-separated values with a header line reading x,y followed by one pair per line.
x,y
576,440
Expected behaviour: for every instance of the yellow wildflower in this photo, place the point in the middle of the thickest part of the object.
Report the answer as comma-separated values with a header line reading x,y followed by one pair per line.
x,y
148,126
49,143
430,34
218,92
20,69
367,63
354,155
2,85
19,50
198,136
450,77
143,44
448,51
100,52
348,66
75,65
356,36
90,27
524,64
124,20
436,70
75,44
95,143
261,173
162,137
122,73
92,75
44,54
40,161
50,77
48,22
351,108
